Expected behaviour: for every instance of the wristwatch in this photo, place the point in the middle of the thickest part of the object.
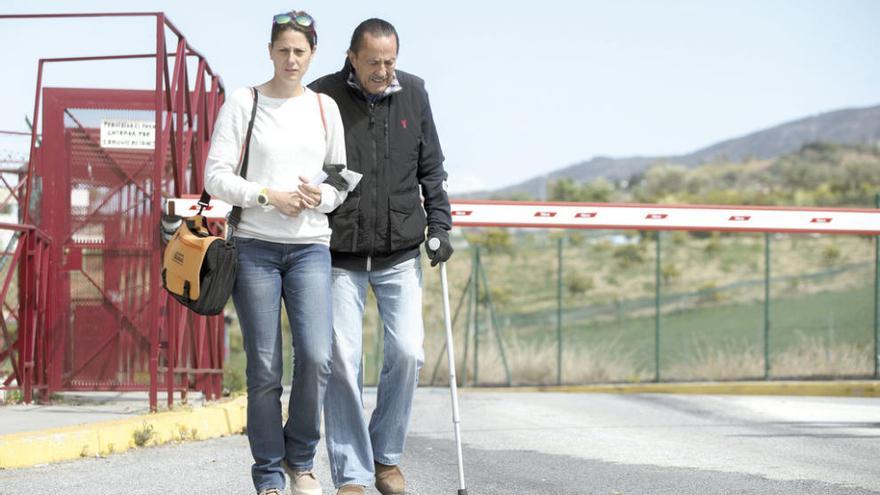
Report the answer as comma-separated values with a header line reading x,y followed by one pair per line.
x,y
263,197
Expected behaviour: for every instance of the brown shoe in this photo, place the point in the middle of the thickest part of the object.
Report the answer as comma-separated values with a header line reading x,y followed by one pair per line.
x,y
389,480
351,490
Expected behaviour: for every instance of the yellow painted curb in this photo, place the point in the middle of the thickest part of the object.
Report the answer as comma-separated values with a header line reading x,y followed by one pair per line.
x,y
848,388
106,437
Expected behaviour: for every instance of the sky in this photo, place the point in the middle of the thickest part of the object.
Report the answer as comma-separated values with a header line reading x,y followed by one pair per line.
x,y
517,89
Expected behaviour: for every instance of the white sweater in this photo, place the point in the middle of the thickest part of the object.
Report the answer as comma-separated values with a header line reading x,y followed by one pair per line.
x,y
288,141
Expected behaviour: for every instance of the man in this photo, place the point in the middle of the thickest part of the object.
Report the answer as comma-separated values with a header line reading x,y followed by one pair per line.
x,y
391,139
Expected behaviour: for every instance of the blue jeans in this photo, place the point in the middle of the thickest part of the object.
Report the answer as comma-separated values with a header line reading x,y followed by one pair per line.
x,y
352,446
300,275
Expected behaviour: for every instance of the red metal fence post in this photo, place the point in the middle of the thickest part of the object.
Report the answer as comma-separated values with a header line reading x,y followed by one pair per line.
x,y
158,164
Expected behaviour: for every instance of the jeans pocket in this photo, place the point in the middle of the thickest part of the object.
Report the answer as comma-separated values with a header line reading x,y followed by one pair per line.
x,y
244,241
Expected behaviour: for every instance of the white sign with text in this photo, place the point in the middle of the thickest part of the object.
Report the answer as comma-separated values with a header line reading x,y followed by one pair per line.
x,y
128,134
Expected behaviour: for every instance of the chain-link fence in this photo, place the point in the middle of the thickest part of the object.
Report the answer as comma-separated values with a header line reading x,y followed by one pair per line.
x,y
573,307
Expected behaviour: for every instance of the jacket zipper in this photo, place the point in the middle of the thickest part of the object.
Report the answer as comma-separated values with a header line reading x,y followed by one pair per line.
x,y
369,262
375,185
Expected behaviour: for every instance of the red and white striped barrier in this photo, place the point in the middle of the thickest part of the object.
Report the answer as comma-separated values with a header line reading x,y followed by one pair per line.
x,y
477,213
665,217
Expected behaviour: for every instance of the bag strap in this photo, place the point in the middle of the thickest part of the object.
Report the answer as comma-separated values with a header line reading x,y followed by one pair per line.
x,y
321,107
235,215
205,198
247,139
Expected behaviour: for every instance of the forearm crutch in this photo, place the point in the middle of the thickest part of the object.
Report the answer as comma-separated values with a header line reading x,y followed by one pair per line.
x,y
450,353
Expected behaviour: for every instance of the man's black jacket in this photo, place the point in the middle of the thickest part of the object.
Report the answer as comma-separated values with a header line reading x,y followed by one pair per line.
x,y
394,144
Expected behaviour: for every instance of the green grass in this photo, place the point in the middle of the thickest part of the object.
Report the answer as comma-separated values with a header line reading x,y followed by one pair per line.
x,y
740,325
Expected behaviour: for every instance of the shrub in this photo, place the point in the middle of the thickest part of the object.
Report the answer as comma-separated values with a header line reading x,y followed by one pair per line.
x,y
143,435
712,247
579,285
669,272
709,293
233,381
628,255
492,240
830,255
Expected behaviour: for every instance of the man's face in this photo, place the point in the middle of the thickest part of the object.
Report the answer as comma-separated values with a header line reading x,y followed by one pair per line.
x,y
374,62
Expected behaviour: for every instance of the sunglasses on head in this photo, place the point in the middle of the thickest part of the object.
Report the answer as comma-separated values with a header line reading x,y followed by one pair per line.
x,y
300,19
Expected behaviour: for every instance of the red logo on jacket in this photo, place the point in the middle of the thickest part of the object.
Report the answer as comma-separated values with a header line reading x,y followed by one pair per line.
x,y
403,123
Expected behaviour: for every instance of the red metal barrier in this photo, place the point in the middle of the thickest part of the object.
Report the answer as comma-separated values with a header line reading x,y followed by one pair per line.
x,y
23,339
111,325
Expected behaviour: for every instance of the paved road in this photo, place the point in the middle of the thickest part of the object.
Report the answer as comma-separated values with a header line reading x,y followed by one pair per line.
x,y
519,443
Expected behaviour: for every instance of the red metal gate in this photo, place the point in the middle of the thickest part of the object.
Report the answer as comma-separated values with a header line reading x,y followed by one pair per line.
x,y
110,325
96,206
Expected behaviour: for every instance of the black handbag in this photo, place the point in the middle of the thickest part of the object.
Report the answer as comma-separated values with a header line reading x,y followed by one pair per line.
x,y
199,269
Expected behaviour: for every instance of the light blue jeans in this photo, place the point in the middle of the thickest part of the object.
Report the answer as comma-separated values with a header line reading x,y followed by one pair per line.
x,y
352,446
300,275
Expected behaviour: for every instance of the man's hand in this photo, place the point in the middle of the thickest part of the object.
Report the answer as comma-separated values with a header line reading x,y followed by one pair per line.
x,y
444,251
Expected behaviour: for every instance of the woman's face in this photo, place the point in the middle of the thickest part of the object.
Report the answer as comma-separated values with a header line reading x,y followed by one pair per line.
x,y
291,56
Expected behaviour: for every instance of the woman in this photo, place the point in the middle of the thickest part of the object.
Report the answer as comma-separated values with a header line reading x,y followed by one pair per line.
x,y
283,247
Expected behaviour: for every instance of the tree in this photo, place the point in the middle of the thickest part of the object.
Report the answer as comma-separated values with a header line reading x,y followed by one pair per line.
x,y
661,181
599,190
492,240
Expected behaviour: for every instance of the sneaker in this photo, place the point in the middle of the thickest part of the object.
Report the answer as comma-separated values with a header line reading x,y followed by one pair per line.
x,y
271,491
302,482
389,480
351,490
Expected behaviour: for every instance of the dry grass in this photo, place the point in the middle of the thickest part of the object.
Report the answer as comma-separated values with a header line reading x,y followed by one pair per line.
x,y
532,363
718,362
818,357
809,356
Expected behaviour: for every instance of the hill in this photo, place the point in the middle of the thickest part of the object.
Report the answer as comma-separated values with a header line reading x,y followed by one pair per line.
x,y
849,126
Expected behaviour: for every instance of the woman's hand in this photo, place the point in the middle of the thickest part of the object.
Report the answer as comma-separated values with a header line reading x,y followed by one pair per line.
x,y
289,203
292,203
311,195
